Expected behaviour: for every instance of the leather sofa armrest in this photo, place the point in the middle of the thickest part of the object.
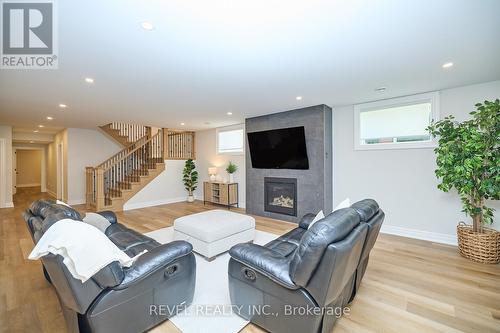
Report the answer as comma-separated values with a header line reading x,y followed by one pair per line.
x,y
265,261
109,215
109,276
306,220
158,258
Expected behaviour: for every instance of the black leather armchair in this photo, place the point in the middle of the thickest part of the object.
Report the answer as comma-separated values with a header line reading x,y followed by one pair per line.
x,y
117,299
301,281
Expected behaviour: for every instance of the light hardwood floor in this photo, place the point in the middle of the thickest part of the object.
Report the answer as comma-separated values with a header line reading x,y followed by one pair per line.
x,y
410,285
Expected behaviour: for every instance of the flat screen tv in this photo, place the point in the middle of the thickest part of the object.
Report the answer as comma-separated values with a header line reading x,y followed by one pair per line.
x,y
279,149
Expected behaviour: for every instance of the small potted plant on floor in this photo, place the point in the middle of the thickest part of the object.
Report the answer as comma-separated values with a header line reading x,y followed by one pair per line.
x,y
231,169
468,160
190,178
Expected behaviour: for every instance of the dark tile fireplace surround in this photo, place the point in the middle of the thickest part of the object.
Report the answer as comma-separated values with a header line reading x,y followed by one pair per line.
x,y
287,194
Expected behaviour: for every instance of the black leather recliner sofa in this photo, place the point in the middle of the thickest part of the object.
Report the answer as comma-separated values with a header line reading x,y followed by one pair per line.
x,y
118,299
300,281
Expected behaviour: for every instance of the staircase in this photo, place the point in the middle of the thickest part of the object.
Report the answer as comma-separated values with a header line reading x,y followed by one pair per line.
x,y
112,183
125,134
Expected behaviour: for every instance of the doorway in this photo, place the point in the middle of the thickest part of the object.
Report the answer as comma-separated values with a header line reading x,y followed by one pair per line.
x,y
28,168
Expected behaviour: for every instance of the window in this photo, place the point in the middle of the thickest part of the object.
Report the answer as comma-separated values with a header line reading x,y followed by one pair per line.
x,y
396,123
230,140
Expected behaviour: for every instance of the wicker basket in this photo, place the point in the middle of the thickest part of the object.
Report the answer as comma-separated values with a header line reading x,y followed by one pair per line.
x,y
483,247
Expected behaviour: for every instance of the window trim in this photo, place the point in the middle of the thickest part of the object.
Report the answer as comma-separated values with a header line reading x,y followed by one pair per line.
x,y
227,129
432,97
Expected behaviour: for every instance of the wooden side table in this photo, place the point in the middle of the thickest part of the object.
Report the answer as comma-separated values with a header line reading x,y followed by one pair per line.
x,y
220,193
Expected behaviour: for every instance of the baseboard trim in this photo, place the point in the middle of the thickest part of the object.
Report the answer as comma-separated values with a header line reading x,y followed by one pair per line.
x,y
420,234
28,185
9,205
152,203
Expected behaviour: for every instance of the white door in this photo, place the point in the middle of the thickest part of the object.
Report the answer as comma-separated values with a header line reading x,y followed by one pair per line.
x,y
14,171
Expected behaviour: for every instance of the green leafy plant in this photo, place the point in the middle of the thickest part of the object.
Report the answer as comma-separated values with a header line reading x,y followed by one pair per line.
x,y
190,176
231,167
468,159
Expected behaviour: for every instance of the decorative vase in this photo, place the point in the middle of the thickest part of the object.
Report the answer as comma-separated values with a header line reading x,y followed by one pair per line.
x,y
483,247
231,178
191,198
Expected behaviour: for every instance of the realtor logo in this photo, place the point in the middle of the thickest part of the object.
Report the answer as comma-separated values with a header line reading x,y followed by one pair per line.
x,y
28,35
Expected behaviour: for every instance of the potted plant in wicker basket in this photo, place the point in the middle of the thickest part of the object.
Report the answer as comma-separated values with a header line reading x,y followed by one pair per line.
x,y
468,160
190,178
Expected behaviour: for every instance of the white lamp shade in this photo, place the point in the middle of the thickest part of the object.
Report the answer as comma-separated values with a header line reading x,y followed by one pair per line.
x,y
212,171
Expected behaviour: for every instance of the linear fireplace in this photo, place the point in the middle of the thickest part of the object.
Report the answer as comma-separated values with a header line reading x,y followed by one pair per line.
x,y
280,195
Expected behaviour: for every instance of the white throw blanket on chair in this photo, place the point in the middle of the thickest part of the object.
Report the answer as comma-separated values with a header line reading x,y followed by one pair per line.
x,y
85,249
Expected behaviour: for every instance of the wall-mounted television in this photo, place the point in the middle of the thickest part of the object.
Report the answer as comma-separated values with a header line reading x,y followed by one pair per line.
x,y
283,148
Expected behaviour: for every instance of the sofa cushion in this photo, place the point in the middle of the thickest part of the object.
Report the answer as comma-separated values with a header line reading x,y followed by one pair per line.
x,y
128,240
287,243
96,220
284,248
44,208
134,250
366,209
125,239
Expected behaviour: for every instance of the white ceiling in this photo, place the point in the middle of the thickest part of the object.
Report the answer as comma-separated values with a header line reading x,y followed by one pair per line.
x,y
205,58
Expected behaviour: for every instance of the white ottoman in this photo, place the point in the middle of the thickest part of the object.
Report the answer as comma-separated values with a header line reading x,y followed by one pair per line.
x,y
215,231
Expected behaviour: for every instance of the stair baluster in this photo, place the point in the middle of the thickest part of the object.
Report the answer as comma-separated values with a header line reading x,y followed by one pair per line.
x,y
107,181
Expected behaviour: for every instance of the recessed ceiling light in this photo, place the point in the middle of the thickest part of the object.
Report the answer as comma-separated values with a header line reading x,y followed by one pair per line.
x,y
147,26
41,126
63,106
35,131
229,113
299,98
380,89
447,65
89,80
182,124
50,118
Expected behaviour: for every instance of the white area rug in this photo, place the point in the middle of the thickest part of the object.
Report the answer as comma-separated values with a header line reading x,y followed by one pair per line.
x,y
211,291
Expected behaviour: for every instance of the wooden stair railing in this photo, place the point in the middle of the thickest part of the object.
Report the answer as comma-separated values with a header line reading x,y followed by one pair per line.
x,y
107,180
179,145
126,134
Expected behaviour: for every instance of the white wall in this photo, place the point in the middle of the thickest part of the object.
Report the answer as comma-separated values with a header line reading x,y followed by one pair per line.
x,y
6,183
164,189
403,181
206,157
38,137
61,138
85,147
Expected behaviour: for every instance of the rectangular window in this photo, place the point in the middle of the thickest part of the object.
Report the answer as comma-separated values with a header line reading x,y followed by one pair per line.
x,y
396,123
230,140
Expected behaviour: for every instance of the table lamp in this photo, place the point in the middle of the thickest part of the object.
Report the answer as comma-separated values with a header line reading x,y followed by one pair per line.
x,y
212,171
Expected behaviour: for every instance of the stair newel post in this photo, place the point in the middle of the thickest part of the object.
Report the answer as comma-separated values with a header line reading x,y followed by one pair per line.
x,y
160,143
164,132
89,190
99,179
